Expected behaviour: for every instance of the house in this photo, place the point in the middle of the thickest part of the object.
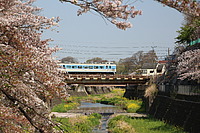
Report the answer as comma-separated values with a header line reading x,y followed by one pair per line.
x,y
152,69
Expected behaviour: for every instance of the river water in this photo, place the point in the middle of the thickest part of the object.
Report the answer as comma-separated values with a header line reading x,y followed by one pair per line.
x,y
105,110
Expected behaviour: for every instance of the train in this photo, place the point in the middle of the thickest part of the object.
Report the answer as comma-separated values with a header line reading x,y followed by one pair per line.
x,y
76,68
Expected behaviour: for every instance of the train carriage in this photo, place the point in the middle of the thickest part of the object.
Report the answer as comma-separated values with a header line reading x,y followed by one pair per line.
x,y
107,68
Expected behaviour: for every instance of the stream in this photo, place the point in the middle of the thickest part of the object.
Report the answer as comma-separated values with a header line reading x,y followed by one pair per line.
x,y
106,111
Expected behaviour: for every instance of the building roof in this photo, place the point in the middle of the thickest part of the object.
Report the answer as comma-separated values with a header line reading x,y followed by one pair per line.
x,y
163,61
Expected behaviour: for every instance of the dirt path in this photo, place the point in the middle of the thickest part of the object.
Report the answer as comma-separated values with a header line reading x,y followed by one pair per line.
x,y
68,115
56,114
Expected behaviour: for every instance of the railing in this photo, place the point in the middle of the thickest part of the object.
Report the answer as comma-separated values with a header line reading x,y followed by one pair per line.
x,y
106,79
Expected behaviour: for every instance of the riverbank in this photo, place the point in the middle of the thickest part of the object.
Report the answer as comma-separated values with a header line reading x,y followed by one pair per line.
x,y
122,120
129,124
115,97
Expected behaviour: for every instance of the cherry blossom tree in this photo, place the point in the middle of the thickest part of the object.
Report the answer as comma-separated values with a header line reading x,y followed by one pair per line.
x,y
115,11
119,11
28,74
188,62
189,65
189,7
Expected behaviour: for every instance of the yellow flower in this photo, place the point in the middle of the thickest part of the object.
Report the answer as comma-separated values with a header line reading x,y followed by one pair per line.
x,y
133,106
66,105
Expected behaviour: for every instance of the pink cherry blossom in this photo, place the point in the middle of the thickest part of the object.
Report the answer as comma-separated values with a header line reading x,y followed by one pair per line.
x,y
189,65
28,74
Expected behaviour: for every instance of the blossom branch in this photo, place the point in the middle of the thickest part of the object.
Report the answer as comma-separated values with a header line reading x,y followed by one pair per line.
x,y
113,10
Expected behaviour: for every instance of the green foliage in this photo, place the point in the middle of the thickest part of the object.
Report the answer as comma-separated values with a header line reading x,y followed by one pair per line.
x,y
79,124
64,106
189,32
140,125
94,119
113,98
185,35
116,98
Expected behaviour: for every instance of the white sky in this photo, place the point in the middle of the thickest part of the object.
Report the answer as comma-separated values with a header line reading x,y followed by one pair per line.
x,y
88,36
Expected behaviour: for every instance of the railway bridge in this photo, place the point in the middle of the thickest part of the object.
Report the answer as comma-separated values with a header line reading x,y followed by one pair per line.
x,y
111,80
134,85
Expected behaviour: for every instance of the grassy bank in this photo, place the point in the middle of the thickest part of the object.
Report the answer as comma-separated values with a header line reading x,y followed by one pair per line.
x,y
79,124
115,98
125,124
119,124
65,106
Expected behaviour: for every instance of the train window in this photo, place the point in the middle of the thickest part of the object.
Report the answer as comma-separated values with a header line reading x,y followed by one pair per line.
x,y
90,67
86,67
80,67
106,67
63,66
109,67
101,67
113,67
74,67
68,66
96,67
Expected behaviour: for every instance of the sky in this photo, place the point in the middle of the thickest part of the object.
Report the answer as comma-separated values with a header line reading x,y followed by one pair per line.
x,y
88,36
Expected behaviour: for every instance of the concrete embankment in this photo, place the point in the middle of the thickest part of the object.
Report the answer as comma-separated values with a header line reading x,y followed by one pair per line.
x,y
82,90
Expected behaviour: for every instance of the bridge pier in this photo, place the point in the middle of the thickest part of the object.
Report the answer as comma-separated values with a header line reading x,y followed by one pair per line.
x,y
82,90
97,89
134,91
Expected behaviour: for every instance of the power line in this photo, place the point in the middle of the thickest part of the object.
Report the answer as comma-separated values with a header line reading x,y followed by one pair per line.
x,y
81,50
111,47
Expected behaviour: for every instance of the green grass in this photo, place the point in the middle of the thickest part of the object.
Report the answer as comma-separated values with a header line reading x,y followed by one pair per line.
x,y
115,98
65,106
140,125
80,124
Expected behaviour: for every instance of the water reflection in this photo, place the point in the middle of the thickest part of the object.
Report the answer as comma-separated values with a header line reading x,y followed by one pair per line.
x,y
94,105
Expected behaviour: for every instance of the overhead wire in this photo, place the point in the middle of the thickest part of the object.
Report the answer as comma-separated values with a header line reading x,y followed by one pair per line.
x,y
80,49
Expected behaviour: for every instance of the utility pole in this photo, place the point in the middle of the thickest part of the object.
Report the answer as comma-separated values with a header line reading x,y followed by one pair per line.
x,y
168,51
153,47
153,53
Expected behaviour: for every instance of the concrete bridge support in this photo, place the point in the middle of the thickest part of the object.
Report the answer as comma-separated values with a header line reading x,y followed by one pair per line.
x,y
134,91
82,90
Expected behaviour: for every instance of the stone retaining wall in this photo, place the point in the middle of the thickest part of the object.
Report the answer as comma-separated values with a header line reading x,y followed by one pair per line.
x,y
177,112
